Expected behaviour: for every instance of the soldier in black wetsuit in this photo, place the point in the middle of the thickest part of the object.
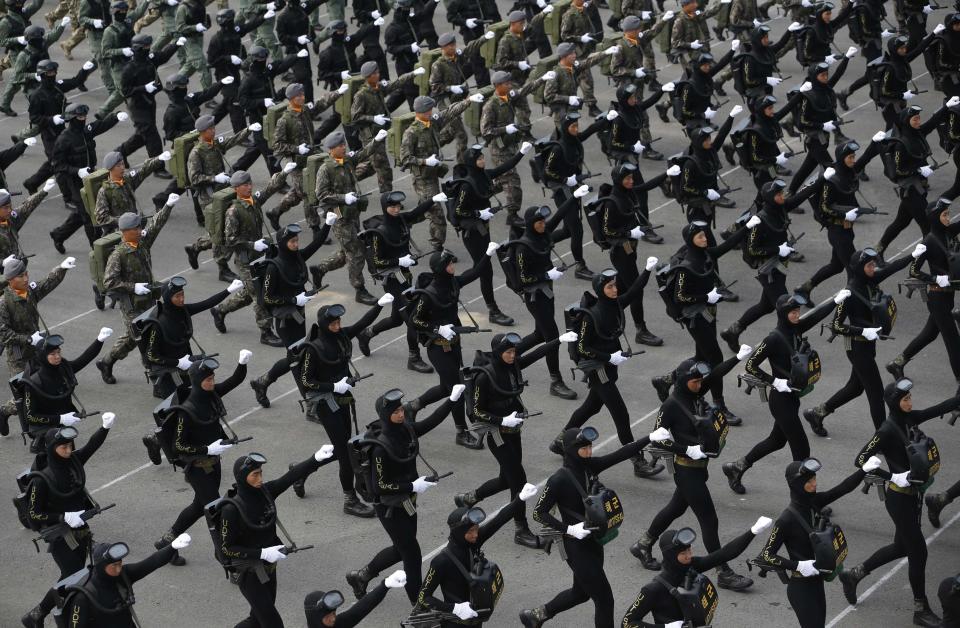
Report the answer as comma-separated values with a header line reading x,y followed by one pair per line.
x,y
321,607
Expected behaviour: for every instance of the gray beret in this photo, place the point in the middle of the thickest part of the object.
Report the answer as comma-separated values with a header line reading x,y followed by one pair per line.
x,y
446,39
684,3
14,268
4,198
565,49
423,104
111,159
293,89
204,122
128,220
499,77
334,139
630,23
368,68
239,177
518,16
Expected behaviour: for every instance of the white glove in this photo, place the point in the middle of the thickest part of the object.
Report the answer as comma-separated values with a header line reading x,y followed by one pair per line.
x,y
784,250
269,15
141,289
646,15
375,14
953,101
829,60
256,127
268,102
695,452
416,72
217,447
919,250
22,40
806,568
184,363
289,167
639,73
235,60
636,233
525,148
524,66
617,358
165,156
696,45
68,419
396,580
105,332
456,392
737,109
127,52
272,554
713,296
851,215
492,248
761,524
581,191
485,214
841,296
36,338
68,263
571,180
477,98
303,299
709,113
568,336
440,198
573,101
303,40
151,87
578,531
406,261
806,86
380,136
471,22
781,385
446,332
549,76
350,198
585,38
939,28
303,54
432,161
553,274
887,33
674,624
638,147
421,484
927,10
712,195
651,263
201,28
735,45
182,41
669,87
744,351
926,171
324,453
97,23
900,479
851,52
344,75
527,492
511,420
907,95
260,245
872,464
667,16
773,81
782,159
828,173
462,609
234,286
943,281
107,419
829,126
342,387
612,115
57,120
673,171
73,519
380,119
343,89
303,149
660,434
385,300
221,177
181,542
871,333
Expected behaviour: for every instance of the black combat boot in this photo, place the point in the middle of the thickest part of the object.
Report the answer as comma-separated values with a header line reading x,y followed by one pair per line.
x,y
559,389
106,371
193,256
734,472
355,507
219,319
416,363
363,341
465,438
923,616
731,335
850,578
815,417
359,580
497,317
643,551
523,536
729,579
534,617
259,387
642,468
153,448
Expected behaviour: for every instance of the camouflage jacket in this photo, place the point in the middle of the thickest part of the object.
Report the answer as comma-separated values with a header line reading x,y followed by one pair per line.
x,y
12,24
498,113
369,102
129,265
629,56
687,29
422,140
296,127
445,73
26,62
206,162
19,316
575,23
115,198
9,243
243,223
743,13
637,7
557,92
336,179
512,49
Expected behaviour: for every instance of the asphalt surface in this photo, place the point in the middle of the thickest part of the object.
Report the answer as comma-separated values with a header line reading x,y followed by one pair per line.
x,y
148,498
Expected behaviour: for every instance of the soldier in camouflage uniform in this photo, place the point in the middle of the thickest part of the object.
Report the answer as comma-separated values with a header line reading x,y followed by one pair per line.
x,y
505,124
264,36
71,9
118,194
95,16
165,10
448,84
207,172
560,92
192,22
20,317
243,234
370,112
421,151
293,139
577,29
514,46
25,66
12,25
644,9
339,191
11,221
690,31
115,51
128,275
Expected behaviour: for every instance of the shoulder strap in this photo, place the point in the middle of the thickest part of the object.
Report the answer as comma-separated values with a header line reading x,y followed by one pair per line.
x,y
580,489
456,563
800,519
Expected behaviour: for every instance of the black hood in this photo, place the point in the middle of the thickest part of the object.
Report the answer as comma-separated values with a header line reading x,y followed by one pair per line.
x,y
795,481
934,210
673,571
787,303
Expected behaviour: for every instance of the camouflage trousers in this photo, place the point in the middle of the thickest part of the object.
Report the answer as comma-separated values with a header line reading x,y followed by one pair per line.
x,y
6,62
294,197
15,363
220,253
79,33
127,342
350,253
380,162
510,181
646,52
586,87
245,296
426,188
115,98
455,131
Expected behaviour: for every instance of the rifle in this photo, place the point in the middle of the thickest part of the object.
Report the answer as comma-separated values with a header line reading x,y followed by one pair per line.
x,y
875,480
750,382
774,261
433,618
552,536
912,285
765,568
469,329
834,334
60,530
664,455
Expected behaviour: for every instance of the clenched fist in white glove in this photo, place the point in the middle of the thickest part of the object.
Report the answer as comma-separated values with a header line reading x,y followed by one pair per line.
x,y
901,479
431,161
330,219
709,113
573,101
782,159
151,87
908,95
272,554
342,387
385,300
525,148
485,214
68,263
380,136
695,452
396,580
268,102
221,177
234,286
851,52
492,248
302,299
736,111
568,337
235,60
36,338
553,274
511,420
784,250
871,333
324,453
350,198
581,191
713,195
807,568
713,296
141,289
571,180
105,332
673,171
919,250
456,392
303,149
343,89
872,464
829,126
696,45
260,245
841,296
760,525
638,147
669,87
651,263
184,362
744,352
806,86
578,531
636,233
851,215
406,261
612,115
107,419
463,611
303,54
127,52
660,434
828,173
943,281
172,199
477,98
421,484
217,447
181,542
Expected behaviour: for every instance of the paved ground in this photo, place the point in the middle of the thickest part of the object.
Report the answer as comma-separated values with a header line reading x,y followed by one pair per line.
x,y
149,497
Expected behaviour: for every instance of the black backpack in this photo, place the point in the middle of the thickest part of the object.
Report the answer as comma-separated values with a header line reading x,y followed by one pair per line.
x,y
485,582
573,316
594,213
507,256
800,39
666,276
805,366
